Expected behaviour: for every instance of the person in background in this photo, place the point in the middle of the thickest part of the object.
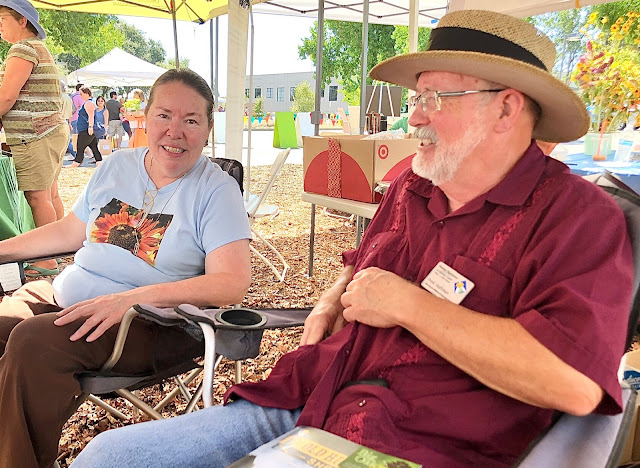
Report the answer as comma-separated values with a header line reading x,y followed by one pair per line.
x,y
31,112
139,94
101,118
77,101
86,135
125,123
115,130
402,123
67,112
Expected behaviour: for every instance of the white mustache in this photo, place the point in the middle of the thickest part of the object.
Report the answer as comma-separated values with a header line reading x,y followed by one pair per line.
x,y
426,133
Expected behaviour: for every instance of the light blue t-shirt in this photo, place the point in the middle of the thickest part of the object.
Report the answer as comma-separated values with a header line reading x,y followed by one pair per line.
x,y
189,218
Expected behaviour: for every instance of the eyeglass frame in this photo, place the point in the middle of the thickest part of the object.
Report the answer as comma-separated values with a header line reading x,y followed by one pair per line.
x,y
438,95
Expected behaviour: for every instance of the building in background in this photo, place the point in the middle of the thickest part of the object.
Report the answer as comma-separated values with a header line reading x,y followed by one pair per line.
x,y
277,91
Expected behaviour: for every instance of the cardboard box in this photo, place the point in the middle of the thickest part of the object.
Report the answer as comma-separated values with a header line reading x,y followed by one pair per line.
x,y
104,146
629,375
348,166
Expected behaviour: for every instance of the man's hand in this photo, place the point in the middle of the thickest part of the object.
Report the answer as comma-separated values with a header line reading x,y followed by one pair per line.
x,y
374,296
102,313
324,319
90,130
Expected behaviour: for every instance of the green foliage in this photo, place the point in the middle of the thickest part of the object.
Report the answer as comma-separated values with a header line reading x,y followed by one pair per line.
x,y
342,51
137,44
77,39
615,10
304,99
557,26
171,63
343,48
258,108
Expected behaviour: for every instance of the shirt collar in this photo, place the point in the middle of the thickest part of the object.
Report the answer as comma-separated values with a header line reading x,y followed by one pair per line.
x,y
513,190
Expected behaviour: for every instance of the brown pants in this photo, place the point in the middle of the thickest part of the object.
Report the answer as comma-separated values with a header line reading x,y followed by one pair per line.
x,y
38,363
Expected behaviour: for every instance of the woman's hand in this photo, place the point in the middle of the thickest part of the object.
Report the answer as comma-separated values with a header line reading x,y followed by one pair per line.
x,y
101,313
90,130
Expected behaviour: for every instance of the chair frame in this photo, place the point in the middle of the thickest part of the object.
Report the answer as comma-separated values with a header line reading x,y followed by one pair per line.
x,y
253,205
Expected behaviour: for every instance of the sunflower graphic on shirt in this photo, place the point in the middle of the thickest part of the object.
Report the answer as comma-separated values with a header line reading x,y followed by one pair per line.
x,y
122,225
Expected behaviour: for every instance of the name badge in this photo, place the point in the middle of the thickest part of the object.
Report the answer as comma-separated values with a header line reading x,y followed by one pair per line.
x,y
445,282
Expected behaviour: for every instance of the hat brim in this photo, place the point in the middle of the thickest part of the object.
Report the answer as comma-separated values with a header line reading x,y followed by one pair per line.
x,y
564,116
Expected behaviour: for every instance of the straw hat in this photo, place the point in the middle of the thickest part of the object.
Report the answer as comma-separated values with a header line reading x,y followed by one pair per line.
x,y
27,10
502,49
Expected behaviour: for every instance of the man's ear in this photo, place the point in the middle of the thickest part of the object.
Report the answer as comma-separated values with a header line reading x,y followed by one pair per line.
x,y
511,108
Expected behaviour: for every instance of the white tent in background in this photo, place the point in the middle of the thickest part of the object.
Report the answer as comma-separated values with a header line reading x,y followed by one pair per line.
x,y
116,68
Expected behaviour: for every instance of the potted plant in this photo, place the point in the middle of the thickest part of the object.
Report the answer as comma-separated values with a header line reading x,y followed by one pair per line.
x,y
608,79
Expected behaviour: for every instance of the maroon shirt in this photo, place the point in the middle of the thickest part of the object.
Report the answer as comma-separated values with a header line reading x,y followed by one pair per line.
x,y
544,247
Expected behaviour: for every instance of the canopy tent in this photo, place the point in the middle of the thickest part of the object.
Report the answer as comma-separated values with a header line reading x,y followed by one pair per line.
x,y
522,8
197,11
117,68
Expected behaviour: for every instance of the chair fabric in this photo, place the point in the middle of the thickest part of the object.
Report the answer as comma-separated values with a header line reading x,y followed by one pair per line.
x,y
595,441
233,167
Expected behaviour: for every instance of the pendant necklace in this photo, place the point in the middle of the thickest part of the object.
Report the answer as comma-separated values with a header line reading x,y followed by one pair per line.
x,y
145,210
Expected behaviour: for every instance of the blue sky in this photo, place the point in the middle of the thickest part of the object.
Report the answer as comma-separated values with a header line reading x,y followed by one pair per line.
x,y
276,37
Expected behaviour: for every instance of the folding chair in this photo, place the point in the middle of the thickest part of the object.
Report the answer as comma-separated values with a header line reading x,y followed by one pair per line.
x,y
595,440
233,333
257,209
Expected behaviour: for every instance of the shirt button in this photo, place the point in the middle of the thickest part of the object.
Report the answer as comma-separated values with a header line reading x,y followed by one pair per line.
x,y
374,245
307,391
347,352
362,403
440,224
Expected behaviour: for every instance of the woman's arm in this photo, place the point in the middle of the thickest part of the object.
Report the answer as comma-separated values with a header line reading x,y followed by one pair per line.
x,y
65,235
226,281
90,109
106,118
16,74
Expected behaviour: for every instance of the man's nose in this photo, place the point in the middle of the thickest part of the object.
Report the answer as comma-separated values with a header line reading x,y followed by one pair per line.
x,y
418,117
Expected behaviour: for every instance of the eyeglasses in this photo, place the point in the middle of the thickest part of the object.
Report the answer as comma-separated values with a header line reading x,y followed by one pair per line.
x,y
432,100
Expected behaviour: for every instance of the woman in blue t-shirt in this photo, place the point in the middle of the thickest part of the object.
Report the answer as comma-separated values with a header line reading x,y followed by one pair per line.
x,y
101,117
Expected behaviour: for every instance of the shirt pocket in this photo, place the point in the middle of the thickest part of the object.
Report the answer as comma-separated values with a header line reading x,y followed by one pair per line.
x,y
490,295
384,251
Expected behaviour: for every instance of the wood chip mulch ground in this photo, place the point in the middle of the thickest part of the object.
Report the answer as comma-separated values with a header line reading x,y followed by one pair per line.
x,y
288,231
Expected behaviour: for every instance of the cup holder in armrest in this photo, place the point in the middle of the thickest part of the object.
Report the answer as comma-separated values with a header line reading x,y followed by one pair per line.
x,y
240,319
239,333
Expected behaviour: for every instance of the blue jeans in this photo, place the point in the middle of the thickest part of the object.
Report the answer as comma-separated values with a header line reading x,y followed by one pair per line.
x,y
213,437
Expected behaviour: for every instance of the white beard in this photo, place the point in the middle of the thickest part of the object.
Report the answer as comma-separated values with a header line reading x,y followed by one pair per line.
x,y
447,158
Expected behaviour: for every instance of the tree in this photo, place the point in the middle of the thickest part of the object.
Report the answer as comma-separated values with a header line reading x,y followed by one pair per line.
x,y
258,108
343,48
137,44
171,63
303,98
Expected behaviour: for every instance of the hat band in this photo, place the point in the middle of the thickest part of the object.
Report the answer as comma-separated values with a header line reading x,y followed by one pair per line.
x,y
472,40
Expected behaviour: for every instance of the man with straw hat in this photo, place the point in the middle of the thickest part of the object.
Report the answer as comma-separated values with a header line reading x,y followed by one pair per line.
x,y
486,293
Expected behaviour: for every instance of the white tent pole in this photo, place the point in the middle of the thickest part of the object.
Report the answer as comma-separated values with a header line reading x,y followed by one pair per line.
x,y
413,26
315,117
363,77
175,31
250,110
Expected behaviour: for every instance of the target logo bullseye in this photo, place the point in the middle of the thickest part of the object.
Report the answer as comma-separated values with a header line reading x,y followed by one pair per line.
x,y
383,152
